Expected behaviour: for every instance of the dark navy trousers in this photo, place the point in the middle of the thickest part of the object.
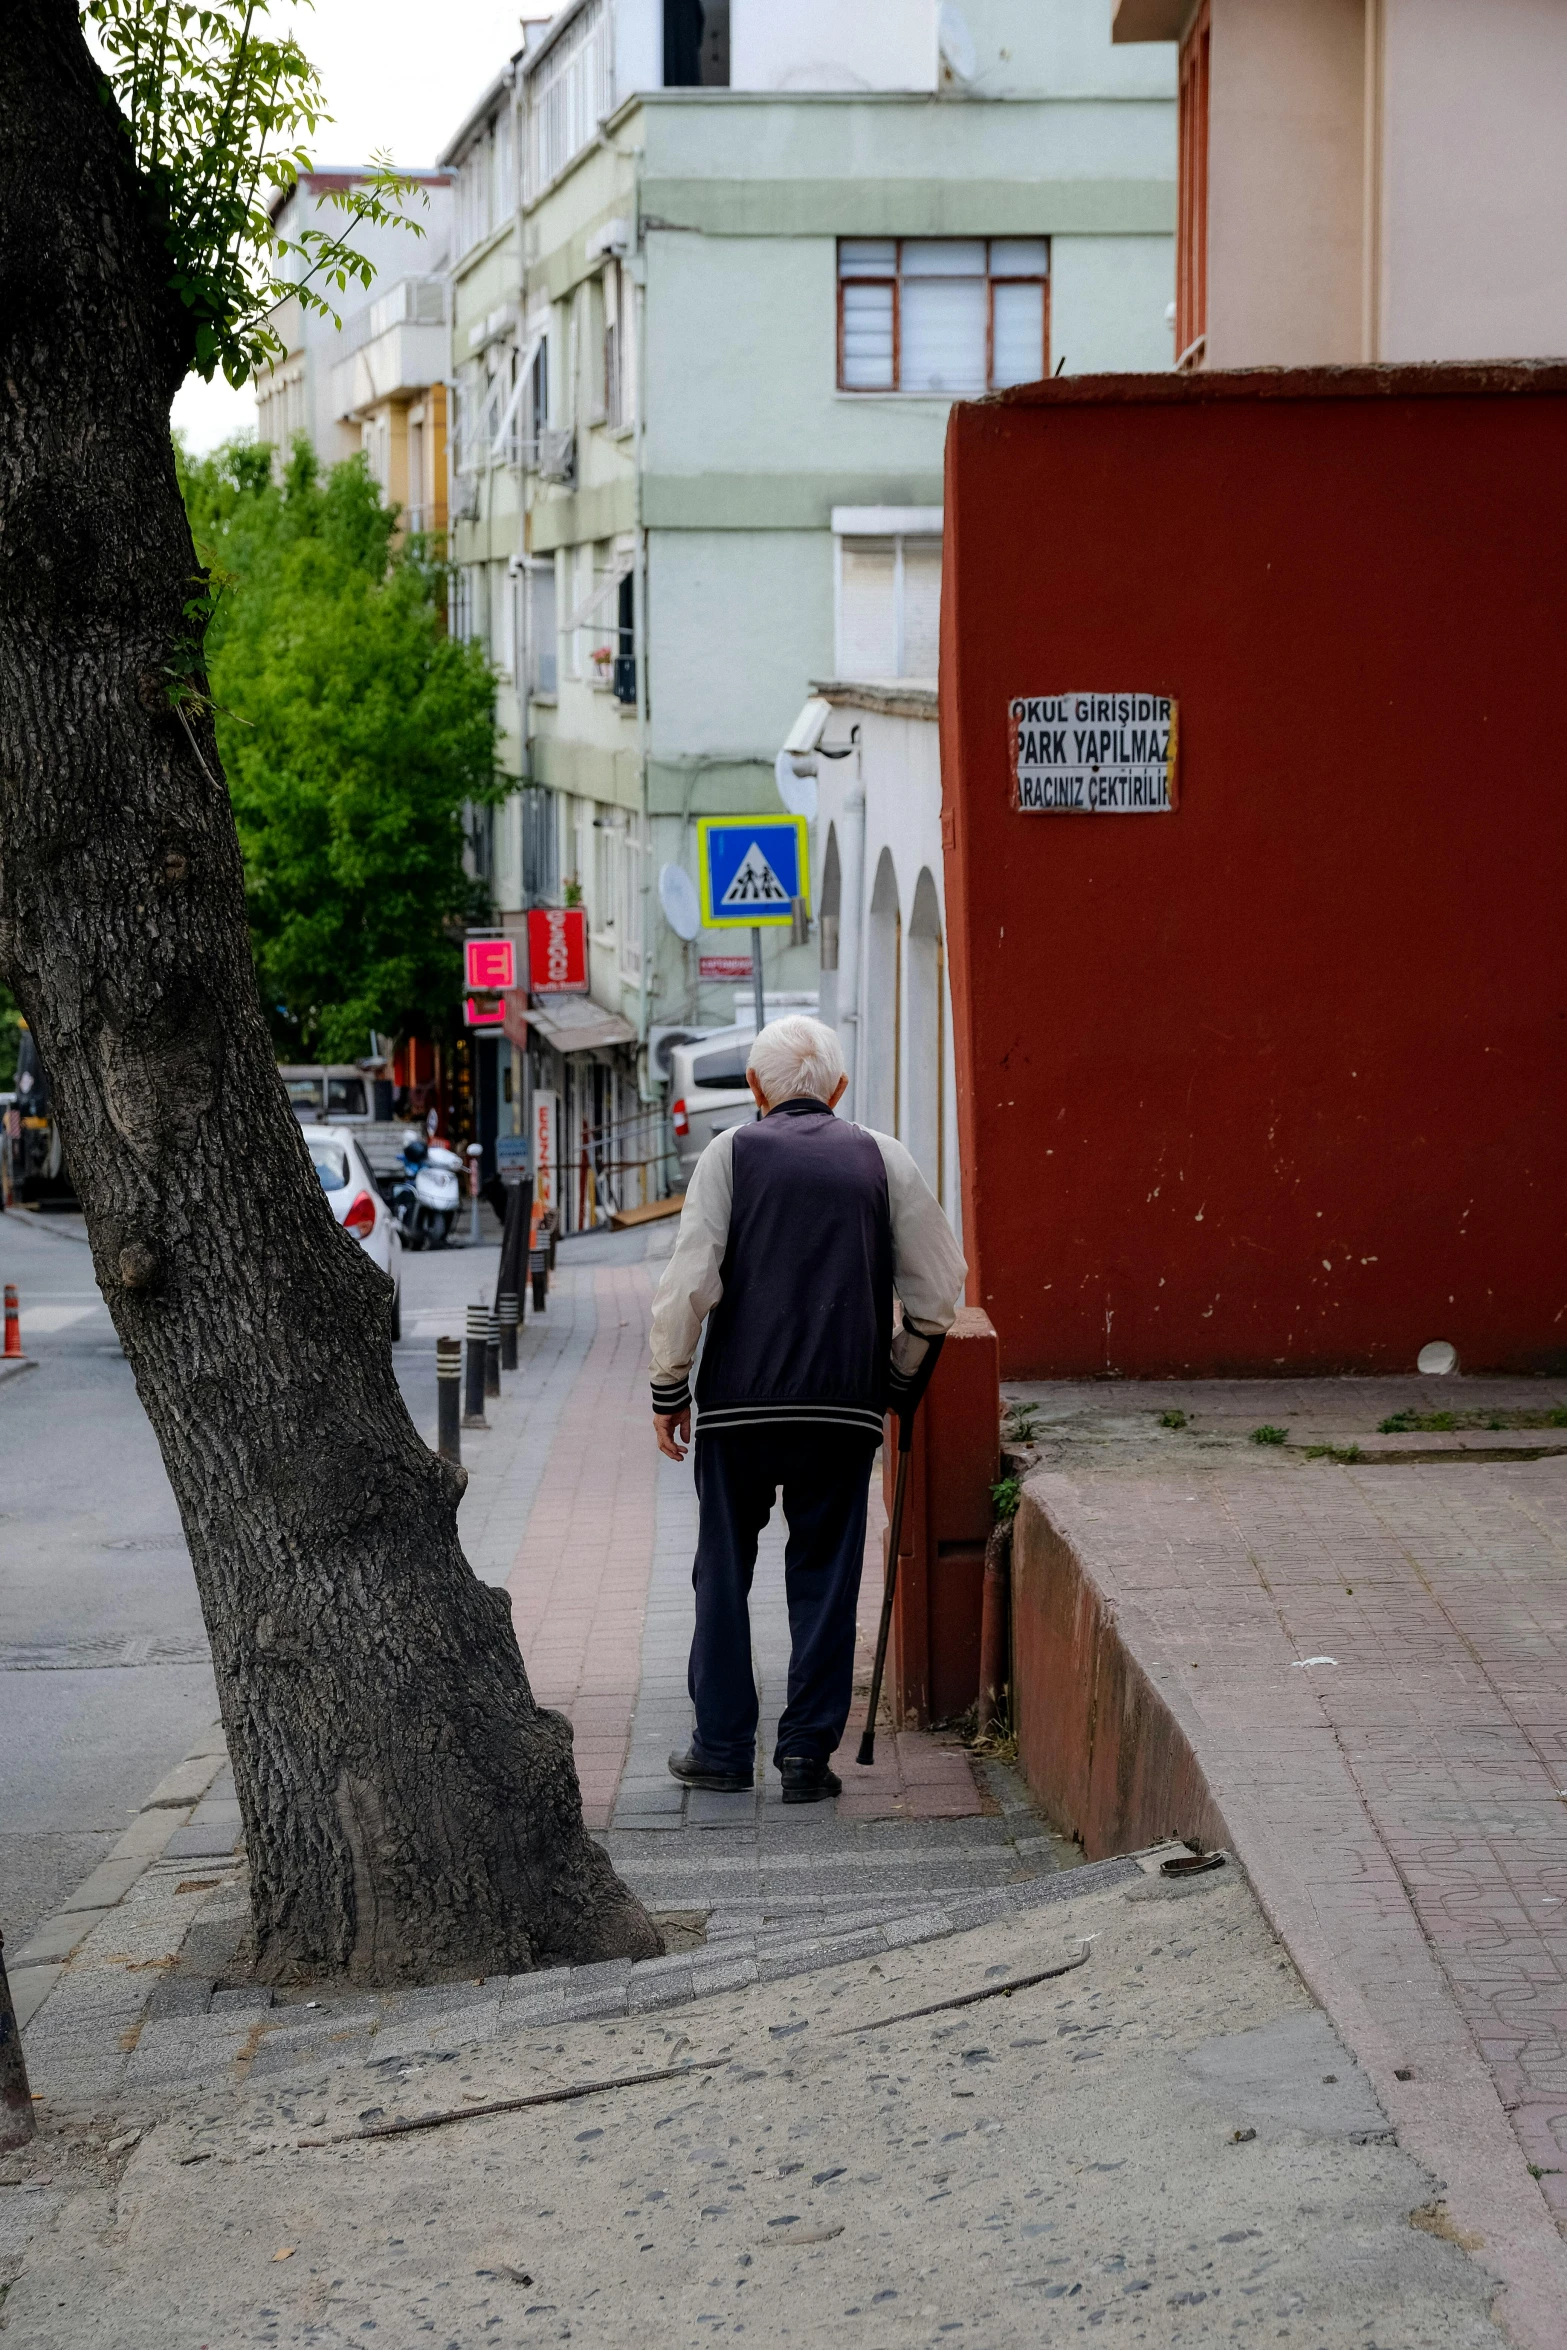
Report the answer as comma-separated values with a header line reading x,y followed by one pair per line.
x,y
825,1475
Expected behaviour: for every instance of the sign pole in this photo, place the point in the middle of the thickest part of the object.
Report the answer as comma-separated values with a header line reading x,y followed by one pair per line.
x,y
756,979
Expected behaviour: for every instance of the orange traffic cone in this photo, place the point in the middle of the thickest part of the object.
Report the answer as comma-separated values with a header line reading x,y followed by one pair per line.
x,y
13,1321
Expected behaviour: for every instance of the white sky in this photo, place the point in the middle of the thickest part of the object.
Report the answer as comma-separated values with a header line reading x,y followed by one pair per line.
x,y
398,74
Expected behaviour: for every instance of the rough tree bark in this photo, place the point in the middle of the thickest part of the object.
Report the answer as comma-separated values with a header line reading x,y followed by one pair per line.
x,y
410,1812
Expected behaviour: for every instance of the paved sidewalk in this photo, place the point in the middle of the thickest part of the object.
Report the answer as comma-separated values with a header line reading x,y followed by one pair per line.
x,y
1005,2183
1162,2144
1368,1661
569,1506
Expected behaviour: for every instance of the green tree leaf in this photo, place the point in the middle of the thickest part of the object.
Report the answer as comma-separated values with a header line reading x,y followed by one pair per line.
x,y
215,109
355,735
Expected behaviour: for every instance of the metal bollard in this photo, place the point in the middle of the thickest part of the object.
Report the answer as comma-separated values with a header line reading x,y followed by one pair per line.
x,y
17,2121
539,1266
473,1384
492,1355
13,1321
508,1312
448,1397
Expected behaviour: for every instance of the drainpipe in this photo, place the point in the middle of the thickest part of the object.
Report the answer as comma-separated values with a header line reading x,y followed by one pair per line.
x,y
647,1091
851,928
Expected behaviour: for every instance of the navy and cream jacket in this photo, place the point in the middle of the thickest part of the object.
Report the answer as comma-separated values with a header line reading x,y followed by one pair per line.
x,y
797,1230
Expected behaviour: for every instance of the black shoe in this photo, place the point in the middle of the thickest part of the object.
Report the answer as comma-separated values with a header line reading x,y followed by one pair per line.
x,y
807,1778
690,1769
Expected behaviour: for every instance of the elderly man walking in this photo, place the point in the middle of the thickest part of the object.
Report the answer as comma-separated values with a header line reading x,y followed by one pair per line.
x,y
796,1232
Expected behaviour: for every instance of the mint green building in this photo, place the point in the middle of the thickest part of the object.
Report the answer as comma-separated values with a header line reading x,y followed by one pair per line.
x,y
702,365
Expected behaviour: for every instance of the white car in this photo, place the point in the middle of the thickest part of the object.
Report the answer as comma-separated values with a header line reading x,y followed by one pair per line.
x,y
708,1091
358,1206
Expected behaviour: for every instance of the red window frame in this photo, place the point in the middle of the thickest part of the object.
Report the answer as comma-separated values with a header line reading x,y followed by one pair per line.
x,y
881,391
1191,234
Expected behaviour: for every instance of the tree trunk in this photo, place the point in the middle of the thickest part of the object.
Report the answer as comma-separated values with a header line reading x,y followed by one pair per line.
x,y
409,1811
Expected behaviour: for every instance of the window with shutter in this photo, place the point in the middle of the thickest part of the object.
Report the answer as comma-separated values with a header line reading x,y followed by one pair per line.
x,y
867,608
921,630
942,316
889,607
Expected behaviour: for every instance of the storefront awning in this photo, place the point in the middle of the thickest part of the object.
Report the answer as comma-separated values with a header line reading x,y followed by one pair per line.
x,y
576,1024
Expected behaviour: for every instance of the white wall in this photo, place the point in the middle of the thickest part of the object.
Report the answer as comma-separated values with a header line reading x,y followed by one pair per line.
x,y
639,47
1286,208
1061,49
1474,179
1108,298
832,44
739,621
897,769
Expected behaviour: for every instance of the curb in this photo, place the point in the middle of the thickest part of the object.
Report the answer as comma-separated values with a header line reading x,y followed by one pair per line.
x,y
1461,2133
38,1963
126,2042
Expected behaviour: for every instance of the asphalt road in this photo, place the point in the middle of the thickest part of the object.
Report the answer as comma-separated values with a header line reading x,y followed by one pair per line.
x,y
104,1671
105,1678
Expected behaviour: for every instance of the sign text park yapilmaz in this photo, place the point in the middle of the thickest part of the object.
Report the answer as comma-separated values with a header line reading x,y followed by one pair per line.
x,y
1093,754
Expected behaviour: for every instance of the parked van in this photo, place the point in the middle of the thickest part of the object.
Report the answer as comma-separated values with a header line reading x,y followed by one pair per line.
x,y
331,1093
708,1091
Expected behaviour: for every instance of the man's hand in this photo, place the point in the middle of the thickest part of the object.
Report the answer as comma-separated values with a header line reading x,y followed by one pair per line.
x,y
673,1430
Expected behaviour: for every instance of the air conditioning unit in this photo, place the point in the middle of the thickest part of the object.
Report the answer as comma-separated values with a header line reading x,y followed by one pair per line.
x,y
557,454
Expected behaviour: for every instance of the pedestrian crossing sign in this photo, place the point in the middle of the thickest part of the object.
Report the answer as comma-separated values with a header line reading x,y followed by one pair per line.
x,y
753,868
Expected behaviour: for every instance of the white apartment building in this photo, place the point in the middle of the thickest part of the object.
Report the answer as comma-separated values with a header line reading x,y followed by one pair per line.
x,y
722,269
349,388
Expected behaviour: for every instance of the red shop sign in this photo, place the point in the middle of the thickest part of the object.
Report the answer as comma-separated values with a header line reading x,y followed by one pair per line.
x,y
491,965
558,950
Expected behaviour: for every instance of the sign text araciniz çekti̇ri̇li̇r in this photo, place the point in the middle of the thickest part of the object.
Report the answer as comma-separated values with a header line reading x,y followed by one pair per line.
x,y
1093,754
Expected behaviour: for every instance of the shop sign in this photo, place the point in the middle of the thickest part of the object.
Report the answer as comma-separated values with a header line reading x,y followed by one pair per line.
x,y
546,1125
491,965
1093,754
489,968
724,966
558,950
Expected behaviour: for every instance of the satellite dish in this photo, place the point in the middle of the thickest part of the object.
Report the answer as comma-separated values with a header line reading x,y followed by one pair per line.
x,y
955,42
677,895
797,792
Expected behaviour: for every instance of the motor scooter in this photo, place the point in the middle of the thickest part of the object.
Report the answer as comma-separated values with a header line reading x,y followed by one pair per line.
x,y
425,1194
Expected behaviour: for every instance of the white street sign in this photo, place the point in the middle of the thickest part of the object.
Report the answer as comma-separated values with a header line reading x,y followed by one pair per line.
x,y
1093,754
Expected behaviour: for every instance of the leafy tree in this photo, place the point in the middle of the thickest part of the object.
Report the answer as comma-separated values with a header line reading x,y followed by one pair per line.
x,y
215,109
352,731
410,1811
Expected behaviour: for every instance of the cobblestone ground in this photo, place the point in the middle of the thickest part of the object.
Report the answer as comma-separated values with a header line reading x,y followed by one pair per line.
x,y
1368,1658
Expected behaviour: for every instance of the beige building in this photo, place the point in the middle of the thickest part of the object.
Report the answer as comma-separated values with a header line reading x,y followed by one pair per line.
x,y
377,383
1367,180
390,383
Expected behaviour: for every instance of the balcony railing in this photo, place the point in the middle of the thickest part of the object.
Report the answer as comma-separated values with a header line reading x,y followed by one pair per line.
x,y
413,301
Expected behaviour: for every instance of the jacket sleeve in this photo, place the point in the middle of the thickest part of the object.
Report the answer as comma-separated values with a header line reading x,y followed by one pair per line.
x,y
928,1270
692,1284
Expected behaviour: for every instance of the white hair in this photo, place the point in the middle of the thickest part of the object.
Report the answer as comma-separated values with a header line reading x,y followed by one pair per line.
x,y
794,1057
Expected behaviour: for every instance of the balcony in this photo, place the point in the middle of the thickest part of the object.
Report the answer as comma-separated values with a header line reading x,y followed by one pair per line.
x,y
393,348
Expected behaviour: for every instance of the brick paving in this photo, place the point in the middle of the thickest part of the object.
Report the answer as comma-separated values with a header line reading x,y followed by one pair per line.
x,y
579,1579
1369,1663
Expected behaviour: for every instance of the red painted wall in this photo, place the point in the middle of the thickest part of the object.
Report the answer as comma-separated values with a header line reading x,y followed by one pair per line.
x,y
1273,1083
